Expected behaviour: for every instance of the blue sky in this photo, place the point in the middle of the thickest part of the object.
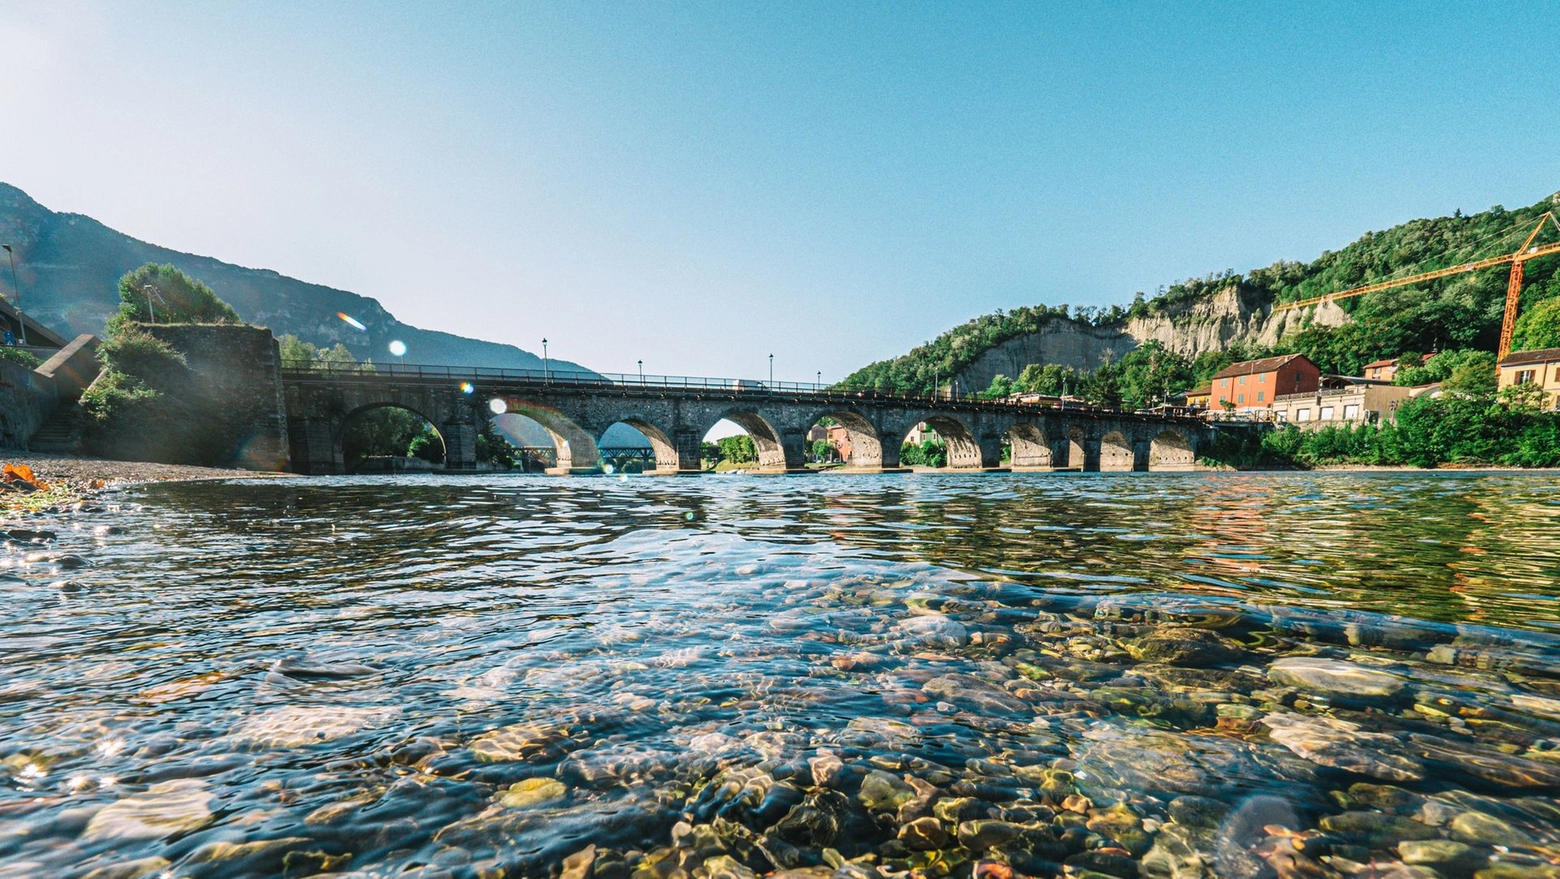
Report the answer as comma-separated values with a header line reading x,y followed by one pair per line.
x,y
701,185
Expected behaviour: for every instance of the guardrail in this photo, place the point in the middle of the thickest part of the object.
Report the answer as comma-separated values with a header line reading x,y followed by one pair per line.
x,y
312,370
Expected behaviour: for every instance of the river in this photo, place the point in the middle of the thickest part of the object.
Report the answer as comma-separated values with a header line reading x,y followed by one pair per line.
x,y
1158,674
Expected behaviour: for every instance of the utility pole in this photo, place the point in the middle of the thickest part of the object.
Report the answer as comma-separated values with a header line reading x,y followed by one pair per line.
x,y
21,321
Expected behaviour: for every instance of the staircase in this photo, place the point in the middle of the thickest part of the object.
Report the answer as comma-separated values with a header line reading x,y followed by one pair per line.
x,y
61,431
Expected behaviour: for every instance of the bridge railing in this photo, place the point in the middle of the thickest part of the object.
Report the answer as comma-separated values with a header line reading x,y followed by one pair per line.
x,y
472,376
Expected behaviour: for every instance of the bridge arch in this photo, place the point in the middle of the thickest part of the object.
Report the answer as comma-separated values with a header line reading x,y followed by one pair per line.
x,y
1030,450
1115,452
1171,450
866,447
766,439
663,449
342,435
960,441
575,445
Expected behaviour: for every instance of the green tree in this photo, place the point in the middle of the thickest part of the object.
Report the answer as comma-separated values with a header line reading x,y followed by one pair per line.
x,y
387,430
493,448
1050,379
1001,387
738,449
427,445
1538,327
295,350
163,294
822,451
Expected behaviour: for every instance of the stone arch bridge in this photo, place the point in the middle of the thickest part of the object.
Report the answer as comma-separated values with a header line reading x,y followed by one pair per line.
x,y
676,413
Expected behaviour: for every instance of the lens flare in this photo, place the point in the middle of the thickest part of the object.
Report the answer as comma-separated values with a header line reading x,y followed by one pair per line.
x,y
498,405
398,348
351,321
468,388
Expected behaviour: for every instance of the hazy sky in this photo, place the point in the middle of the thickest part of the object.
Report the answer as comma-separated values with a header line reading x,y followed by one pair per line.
x,y
701,185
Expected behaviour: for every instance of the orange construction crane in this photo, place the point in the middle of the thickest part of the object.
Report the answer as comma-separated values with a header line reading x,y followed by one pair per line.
x,y
1527,251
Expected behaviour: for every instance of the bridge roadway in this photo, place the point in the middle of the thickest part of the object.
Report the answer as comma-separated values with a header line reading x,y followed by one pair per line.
x,y
675,413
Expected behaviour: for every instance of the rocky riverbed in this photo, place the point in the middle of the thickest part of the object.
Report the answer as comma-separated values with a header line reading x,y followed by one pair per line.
x,y
712,692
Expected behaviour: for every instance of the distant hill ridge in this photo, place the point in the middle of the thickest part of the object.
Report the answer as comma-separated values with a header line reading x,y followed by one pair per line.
x,y
69,265
1226,311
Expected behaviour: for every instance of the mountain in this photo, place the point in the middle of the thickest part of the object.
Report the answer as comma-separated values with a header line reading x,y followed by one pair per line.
x,y
1232,314
68,267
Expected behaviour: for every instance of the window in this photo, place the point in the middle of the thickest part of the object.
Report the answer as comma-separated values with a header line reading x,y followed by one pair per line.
x,y
1351,411
1278,415
1325,414
1241,380
1524,376
1260,394
1224,382
1240,398
1262,379
1302,414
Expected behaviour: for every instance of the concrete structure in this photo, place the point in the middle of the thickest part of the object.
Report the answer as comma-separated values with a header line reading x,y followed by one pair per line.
x,y
1251,386
1342,400
577,411
1540,368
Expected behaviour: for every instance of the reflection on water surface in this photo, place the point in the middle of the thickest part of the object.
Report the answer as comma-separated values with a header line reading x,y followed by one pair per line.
x,y
1174,675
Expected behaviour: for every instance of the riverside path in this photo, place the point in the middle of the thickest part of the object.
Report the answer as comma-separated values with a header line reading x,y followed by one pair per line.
x,y
674,413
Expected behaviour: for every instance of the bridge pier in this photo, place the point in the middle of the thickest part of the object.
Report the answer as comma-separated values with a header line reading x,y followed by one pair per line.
x,y
460,445
313,446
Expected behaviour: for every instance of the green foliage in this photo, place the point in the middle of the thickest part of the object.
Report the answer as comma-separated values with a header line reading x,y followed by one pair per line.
x,y
1001,388
938,361
387,430
738,449
710,452
427,445
1538,327
1440,367
1049,379
295,351
493,448
929,453
20,355
163,294
125,401
1468,427
136,353
822,450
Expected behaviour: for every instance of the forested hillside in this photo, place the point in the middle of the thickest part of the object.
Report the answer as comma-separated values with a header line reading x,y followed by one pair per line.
x,y
1458,312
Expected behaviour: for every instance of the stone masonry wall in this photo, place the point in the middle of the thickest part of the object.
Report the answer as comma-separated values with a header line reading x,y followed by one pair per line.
x,y
230,403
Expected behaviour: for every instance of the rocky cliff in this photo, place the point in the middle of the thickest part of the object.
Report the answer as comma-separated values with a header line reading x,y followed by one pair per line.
x,y
1208,324
69,265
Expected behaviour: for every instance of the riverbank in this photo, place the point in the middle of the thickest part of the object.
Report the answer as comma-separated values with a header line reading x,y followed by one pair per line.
x,y
62,481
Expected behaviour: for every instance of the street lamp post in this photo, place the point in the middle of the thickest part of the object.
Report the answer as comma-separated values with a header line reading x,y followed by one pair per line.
x,y
21,321
819,382
641,372
546,370
151,309
771,369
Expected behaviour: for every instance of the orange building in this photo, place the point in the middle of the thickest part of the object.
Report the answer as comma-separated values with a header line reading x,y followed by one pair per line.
x,y
1251,385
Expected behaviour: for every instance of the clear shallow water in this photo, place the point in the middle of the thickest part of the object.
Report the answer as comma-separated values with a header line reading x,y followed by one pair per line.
x,y
1173,674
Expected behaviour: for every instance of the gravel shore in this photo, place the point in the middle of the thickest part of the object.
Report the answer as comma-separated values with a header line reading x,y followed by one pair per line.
x,y
64,481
